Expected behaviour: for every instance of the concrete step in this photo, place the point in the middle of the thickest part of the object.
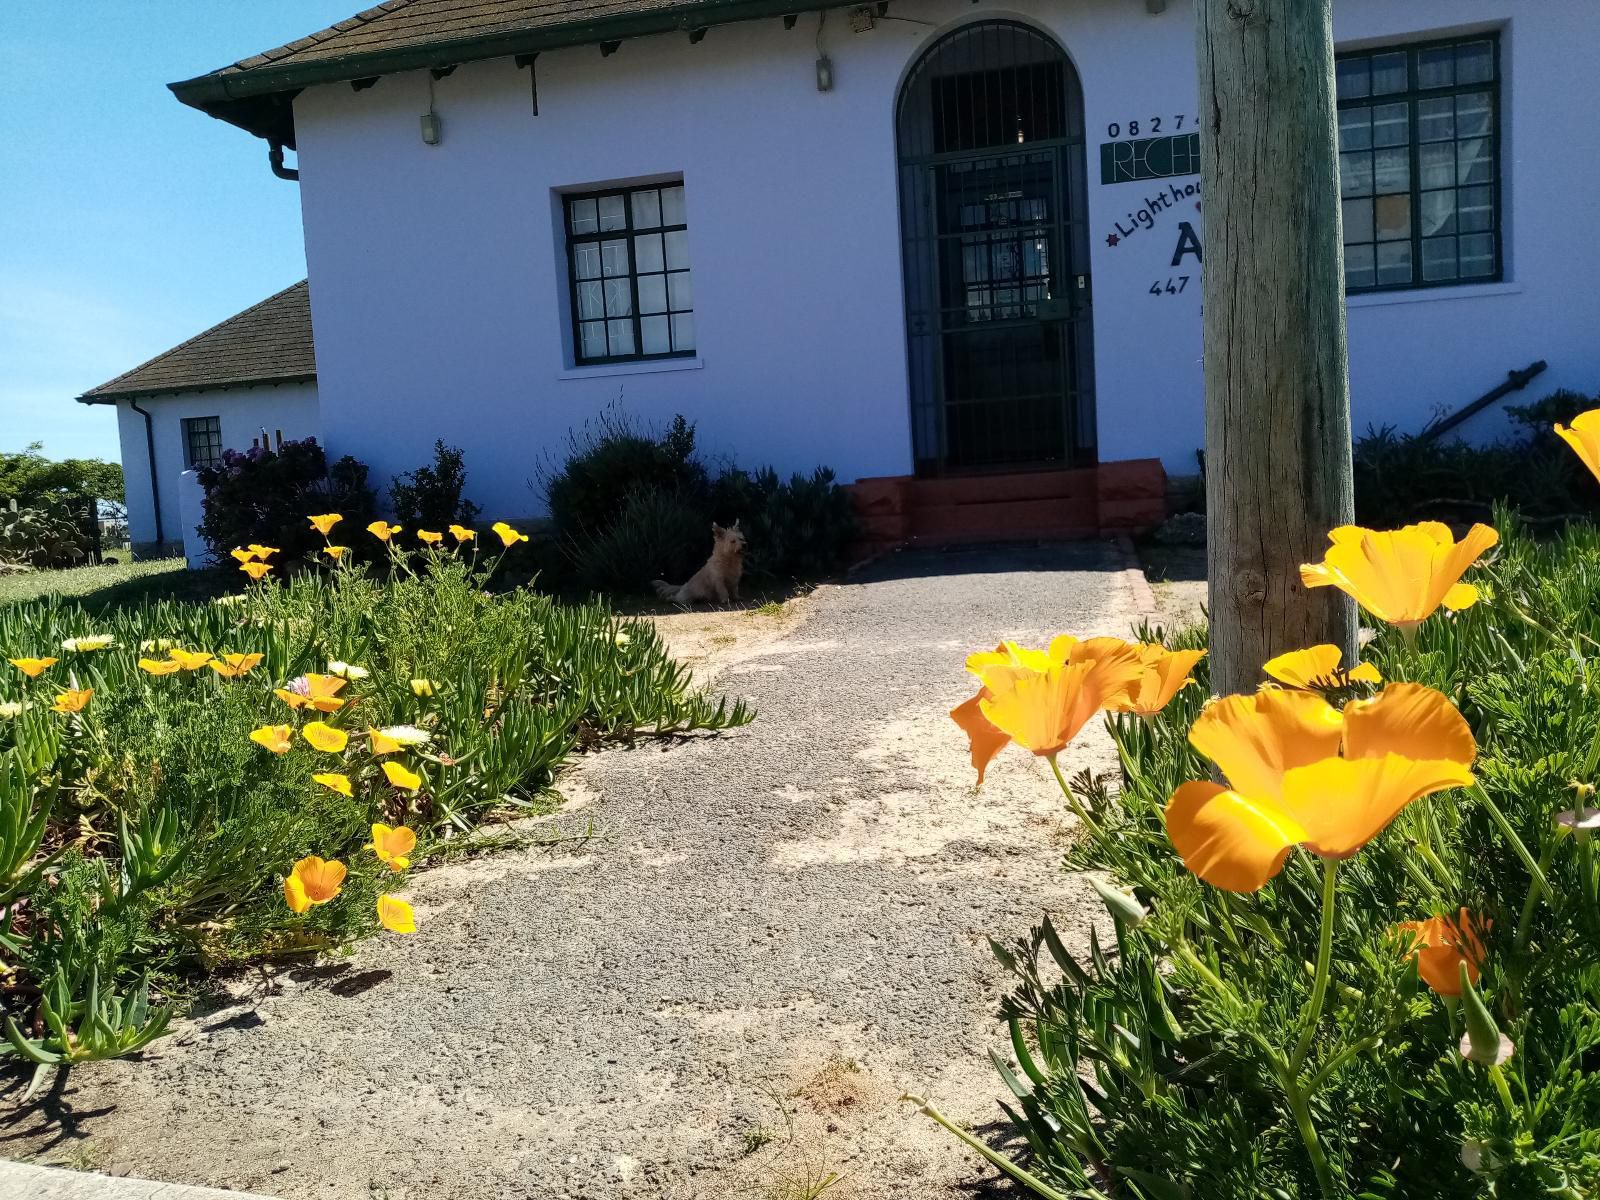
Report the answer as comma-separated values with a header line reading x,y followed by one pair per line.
x,y
23,1181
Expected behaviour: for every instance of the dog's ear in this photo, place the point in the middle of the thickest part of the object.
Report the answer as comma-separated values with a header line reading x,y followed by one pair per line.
x,y
717,530
735,526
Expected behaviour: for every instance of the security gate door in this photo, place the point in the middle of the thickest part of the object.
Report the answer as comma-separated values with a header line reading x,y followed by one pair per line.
x,y
995,253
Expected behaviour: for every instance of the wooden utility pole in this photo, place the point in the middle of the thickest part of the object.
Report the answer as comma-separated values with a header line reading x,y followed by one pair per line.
x,y
1277,389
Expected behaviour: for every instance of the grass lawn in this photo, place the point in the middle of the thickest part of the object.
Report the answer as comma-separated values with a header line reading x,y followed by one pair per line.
x,y
114,584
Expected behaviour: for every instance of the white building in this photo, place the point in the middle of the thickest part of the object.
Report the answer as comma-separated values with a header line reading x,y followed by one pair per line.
x,y
935,238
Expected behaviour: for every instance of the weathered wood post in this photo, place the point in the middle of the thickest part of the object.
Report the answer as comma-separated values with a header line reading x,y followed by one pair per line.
x,y
1277,388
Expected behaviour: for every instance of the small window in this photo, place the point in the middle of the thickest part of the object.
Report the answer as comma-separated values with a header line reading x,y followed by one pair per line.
x,y
202,441
1419,154
628,256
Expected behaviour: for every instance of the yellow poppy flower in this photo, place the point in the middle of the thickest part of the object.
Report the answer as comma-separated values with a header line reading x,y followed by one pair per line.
x,y
243,555
335,552
382,530
313,881
320,692
508,536
1040,699
262,552
422,687
1401,576
429,536
189,660
325,737
273,737
231,666
1289,785
1584,437
72,700
325,522
334,782
393,845
1442,944
402,778
462,534
254,569
1318,666
159,666
32,667
382,743
1165,673
396,916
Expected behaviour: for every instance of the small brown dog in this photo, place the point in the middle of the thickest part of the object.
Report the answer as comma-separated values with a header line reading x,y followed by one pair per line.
x,y
717,581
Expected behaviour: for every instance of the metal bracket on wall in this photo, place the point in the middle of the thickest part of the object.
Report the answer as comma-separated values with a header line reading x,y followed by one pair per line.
x,y
696,36
527,60
789,19
607,49
361,85
441,72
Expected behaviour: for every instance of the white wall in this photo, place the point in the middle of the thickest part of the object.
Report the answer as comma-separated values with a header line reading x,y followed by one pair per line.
x,y
290,407
441,280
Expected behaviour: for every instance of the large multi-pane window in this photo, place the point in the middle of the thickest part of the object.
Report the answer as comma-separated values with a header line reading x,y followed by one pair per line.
x,y
1419,164
202,441
628,252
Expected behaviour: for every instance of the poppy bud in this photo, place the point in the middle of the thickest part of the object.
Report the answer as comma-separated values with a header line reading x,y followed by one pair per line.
x,y
1483,1043
1124,908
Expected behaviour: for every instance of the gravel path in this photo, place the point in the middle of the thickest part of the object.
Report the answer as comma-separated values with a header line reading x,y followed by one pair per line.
x,y
781,930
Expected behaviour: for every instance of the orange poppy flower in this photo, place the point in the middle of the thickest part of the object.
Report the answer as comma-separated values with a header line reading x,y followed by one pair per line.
x,y
313,881
1402,575
159,666
32,667
508,536
1584,438
273,737
1165,673
254,569
393,845
262,552
335,552
72,700
324,522
396,915
429,536
1318,666
462,534
243,555
231,666
402,778
320,692
325,737
189,660
334,781
1442,944
1290,785
382,743
382,530
1040,699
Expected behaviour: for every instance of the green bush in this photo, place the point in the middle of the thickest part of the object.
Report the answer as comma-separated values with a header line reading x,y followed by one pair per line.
x,y
608,461
1402,478
45,534
431,496
263,496
656,535
149,835
1186,1056
799,530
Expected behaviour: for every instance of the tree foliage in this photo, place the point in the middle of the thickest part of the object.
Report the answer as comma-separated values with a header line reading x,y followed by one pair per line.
x,y
28,477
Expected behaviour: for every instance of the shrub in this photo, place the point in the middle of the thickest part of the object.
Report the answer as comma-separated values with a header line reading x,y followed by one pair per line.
x,y
657,535
430,497
802,529
263,495
611,458
1289,1041
1401,478
149,828
46,534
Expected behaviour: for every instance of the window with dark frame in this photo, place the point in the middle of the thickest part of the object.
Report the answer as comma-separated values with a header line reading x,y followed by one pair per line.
x,y
628,261
202,440
1419,164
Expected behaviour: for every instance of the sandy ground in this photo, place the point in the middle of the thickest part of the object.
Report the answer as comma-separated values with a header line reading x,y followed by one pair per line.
x,y
780,931
1177,576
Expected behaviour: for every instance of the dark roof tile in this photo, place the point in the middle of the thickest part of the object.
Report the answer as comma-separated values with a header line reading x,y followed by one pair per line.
x,y
267,343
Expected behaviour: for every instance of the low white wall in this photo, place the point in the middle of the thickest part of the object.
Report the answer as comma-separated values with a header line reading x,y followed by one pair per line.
x,y
244,412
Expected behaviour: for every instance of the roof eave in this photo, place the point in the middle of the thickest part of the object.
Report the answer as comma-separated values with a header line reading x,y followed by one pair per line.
x,y
229,97
98,397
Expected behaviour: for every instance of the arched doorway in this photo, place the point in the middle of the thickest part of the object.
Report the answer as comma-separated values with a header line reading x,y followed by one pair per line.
x,y
989,131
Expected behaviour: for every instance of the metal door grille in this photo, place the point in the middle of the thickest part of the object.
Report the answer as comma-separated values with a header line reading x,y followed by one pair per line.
x,y
992,207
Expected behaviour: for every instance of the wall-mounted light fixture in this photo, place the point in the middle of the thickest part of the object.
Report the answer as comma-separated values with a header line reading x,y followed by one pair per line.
x,y
824,63
432,127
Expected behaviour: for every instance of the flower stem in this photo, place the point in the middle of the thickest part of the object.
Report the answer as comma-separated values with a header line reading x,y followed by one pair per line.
x,y
1499,818
1032,1183
1078,810
1319,983
1300,1106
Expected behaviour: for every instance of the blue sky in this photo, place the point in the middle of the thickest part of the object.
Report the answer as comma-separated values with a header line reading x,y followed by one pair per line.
x,y
128,221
